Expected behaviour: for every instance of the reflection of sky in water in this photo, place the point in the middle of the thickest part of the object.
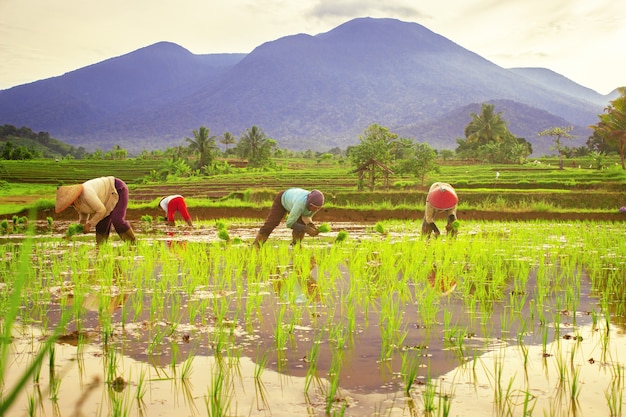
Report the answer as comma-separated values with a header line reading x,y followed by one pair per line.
x,y
466,346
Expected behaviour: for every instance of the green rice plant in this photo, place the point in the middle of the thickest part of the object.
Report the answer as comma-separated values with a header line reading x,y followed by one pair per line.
x,y
49,222
311,372
4,226
74,229
380,228
262,397
333,377
324,228
223,234
342,235
10,309
410,368
219,394
428,396
575,385
147,222
55,381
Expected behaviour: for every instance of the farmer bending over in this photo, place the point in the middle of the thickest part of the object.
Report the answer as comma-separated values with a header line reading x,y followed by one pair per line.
x,y
441,199
172,204
100,202
301,206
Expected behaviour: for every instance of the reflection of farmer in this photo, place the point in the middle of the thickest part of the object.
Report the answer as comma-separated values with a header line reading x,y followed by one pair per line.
x,y
301,206
441,199
101,202
172,204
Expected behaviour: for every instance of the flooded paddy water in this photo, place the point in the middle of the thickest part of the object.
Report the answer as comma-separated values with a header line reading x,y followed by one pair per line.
x,y
509,318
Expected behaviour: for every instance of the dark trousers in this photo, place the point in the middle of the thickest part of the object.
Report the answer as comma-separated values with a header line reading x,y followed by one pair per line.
x,y
117,218
277,212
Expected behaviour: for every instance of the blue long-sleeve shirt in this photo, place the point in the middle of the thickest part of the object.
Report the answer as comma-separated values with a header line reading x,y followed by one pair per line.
x,y
294,201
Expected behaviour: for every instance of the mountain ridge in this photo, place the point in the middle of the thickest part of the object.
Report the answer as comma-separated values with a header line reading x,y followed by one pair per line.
x,y
305,91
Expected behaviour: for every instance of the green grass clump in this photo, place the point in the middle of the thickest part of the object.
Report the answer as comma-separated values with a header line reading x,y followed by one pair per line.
x,y
379,228
324,228
456,224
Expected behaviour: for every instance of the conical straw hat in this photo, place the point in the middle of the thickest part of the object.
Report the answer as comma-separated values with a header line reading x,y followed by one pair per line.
x,y
443,198
66,195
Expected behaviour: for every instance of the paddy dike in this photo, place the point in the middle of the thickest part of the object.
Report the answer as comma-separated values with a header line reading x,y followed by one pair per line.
x,y
338,214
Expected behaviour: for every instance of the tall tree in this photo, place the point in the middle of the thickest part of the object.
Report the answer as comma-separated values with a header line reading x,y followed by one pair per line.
x,y
612,124
376,143
374,153
557,134
256,147
203,144
421,161
228,139
488,126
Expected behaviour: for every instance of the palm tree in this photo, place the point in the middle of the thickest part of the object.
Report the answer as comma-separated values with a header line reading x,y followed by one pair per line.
x,y
486,127
255,146
228,139
203,144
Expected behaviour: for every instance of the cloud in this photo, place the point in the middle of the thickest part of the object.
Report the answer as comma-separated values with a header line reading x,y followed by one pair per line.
x,y
359,8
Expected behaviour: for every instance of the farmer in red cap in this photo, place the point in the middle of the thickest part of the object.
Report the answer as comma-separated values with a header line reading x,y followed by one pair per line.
x,y
172,204
301,206
100,203
441,199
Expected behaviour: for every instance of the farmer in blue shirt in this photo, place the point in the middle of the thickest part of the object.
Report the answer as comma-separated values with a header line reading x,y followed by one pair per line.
x,y
301,206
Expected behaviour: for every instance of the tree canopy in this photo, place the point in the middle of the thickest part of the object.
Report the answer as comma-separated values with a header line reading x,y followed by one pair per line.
x,y
612,124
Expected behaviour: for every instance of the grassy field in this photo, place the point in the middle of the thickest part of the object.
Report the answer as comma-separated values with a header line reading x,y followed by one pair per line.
x,y
538,186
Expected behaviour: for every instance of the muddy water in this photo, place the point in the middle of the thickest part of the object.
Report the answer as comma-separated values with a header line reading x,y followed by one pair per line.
x,y
477,370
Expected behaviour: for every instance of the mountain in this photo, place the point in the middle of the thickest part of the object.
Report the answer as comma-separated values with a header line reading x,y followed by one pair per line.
x,y
306,92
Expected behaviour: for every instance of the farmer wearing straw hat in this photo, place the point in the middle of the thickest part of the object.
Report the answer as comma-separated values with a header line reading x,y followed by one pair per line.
x,y
100,202
441,199
301,206
172,204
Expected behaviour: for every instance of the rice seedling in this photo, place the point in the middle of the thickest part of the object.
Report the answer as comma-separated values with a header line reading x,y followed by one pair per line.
x,y
429,393
410,368
324,228
219,393
4,226
74,229
262,397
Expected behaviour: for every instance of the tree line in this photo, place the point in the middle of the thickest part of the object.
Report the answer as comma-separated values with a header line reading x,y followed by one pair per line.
x,y
487,138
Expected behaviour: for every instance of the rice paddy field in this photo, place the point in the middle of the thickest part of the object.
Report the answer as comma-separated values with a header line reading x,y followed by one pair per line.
x,y
510,318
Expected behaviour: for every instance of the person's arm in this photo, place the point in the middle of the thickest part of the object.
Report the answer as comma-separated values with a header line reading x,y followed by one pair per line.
x,y
292,220
91,199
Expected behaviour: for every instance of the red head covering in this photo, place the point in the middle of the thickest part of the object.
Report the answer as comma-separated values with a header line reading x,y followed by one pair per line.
x,y
442,197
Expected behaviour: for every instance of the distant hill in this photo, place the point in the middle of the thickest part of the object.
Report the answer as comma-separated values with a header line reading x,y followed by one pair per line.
x,y
306,92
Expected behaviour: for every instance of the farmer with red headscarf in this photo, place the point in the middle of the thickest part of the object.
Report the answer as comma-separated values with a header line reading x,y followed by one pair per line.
x,y
301,206
172,204
100,202
441,199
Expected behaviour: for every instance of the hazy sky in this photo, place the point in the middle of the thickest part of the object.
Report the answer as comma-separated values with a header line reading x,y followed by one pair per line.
x,y
580,39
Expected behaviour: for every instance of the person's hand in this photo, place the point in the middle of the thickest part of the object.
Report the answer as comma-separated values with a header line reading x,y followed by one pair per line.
x,y
311,230
86,227
189,223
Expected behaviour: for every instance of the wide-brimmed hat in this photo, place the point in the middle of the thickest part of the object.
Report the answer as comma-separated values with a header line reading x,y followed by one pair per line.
x,y
315,198
66,195
443,198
